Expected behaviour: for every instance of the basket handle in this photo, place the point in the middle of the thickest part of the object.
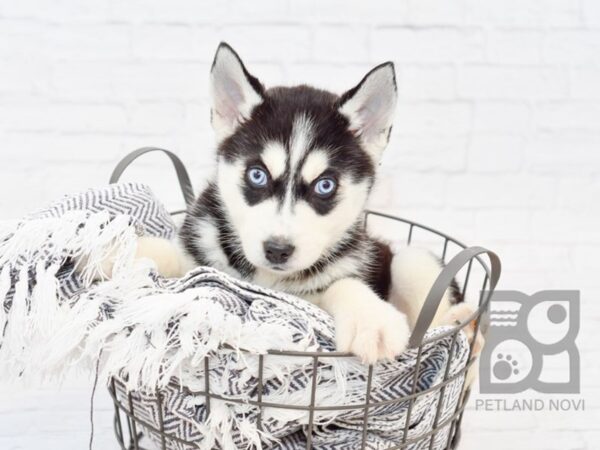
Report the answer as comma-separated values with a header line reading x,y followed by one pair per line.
x,y
437,291
182,174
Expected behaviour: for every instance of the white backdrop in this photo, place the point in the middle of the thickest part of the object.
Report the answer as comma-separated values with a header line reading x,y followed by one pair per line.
x,y
497,140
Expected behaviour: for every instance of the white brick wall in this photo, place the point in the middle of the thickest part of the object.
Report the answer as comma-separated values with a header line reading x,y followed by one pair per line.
x,y
497,139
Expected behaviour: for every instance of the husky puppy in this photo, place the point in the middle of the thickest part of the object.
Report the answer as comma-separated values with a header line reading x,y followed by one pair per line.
x,y
295,166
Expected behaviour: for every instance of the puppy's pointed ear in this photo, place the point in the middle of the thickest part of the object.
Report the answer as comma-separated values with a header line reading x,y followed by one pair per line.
x,y
370,108
234,92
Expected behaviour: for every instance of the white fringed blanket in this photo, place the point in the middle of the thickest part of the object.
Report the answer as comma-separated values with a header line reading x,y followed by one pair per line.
x,y
155,333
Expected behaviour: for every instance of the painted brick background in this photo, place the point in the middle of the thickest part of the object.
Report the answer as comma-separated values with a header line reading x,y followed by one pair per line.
x,y
497,141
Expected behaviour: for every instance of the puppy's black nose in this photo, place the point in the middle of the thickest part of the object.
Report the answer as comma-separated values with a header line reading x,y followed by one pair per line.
x,y
278,251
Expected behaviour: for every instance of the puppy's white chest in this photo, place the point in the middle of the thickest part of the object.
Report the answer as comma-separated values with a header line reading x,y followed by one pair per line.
x,y
272,281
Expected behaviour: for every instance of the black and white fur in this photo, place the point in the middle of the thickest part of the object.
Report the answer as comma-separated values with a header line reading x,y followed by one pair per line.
x,y
295,137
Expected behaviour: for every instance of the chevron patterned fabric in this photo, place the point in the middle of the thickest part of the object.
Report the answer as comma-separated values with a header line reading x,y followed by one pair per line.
x,y
165,341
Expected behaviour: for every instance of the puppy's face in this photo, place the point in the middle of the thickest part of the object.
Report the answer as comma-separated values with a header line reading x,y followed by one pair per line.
x,y
295,165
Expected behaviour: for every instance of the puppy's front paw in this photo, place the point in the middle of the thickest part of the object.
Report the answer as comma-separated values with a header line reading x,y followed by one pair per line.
x,y
366,325
375,330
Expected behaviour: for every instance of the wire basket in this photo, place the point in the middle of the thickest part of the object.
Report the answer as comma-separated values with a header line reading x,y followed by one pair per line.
x,y
477,280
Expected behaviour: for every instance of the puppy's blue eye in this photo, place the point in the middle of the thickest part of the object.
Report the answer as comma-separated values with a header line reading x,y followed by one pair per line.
x,y
325,187
257,177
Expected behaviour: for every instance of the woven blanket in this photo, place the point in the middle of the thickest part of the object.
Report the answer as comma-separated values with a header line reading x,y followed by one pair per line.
x,y
164,342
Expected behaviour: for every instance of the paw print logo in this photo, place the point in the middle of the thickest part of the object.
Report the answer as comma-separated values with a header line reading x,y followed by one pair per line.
x,y
525,333
505,367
